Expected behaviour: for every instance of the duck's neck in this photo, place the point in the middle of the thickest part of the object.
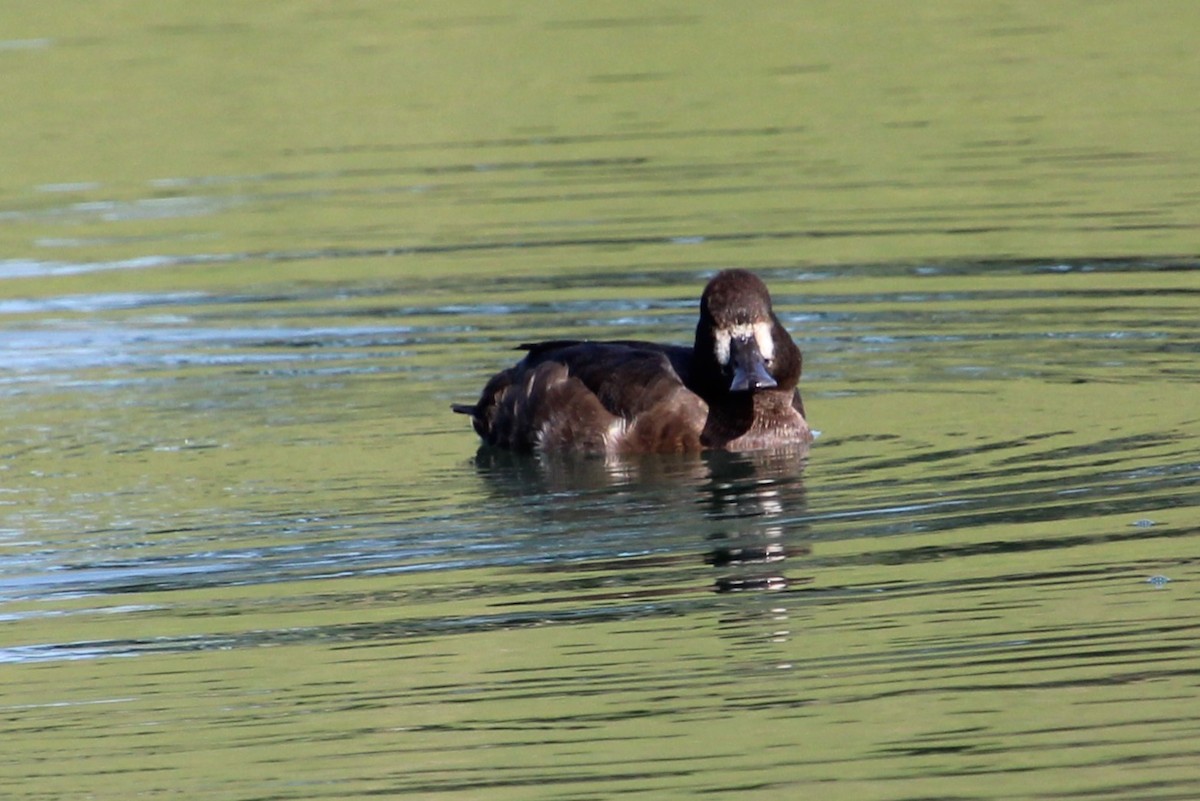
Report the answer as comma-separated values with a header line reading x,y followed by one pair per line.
x,y
747,415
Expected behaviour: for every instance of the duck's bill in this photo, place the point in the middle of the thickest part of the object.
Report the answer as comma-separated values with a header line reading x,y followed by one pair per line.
x,y
749,367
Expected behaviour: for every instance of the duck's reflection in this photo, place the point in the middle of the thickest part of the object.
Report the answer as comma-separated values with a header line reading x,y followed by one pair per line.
x,y
746,510
766,487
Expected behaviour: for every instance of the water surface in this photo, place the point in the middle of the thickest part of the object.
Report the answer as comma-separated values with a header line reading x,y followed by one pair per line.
x,y
246,551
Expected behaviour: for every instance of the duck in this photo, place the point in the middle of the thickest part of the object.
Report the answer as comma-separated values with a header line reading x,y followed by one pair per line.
x,y
734,389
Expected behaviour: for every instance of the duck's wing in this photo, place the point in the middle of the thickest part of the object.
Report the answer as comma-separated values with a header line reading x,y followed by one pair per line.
x,y
598,397
628,377
642,388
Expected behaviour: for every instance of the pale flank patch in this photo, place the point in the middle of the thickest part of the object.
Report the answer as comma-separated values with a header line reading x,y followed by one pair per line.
x,y
616,430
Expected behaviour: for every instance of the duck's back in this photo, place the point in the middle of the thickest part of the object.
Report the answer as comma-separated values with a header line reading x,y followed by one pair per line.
x,y
595,397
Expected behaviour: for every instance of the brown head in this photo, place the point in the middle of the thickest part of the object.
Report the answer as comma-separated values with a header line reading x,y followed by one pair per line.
x,y
740,344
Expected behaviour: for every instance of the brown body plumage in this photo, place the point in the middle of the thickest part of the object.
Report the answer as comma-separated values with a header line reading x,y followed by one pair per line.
x,y
734,389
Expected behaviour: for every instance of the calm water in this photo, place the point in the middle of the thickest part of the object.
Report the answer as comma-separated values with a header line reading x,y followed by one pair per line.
x,y
250,254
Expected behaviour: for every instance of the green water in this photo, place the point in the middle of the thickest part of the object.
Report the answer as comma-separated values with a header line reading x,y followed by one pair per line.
x,y
250,253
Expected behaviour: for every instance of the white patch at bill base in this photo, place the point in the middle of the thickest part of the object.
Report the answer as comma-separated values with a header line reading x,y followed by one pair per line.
x,y
761,332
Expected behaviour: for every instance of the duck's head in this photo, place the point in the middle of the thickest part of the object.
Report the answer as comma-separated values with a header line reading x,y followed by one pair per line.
x,y
739,338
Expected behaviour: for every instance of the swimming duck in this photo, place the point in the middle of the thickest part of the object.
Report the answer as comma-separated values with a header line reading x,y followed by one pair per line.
x,y
734,389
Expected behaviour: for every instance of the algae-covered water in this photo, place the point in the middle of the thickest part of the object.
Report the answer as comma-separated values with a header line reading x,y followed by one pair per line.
x,y
250,253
